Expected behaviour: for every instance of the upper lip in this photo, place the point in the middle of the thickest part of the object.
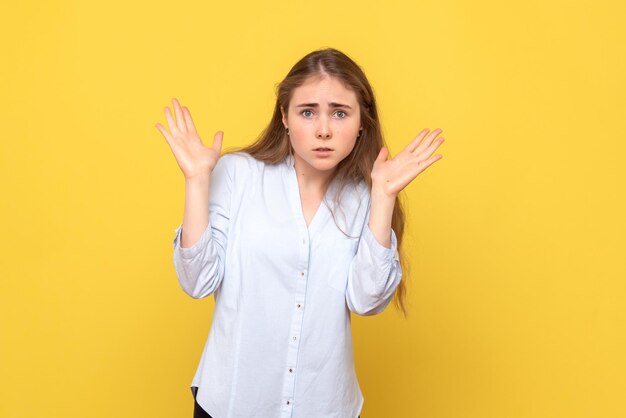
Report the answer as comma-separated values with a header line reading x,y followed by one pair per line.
x,y
327,148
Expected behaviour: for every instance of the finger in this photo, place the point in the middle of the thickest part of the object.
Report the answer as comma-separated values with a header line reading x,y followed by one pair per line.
x,y
382,155
426,143
429,151
166,134
217,141
180,120
188,121
170,121
425,164
413,144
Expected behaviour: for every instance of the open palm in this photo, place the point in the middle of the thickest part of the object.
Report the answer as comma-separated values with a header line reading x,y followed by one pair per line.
x,y
395,174
192,156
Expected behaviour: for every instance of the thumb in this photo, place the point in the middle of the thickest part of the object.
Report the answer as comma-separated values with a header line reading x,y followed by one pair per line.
x,y
217,141
382,155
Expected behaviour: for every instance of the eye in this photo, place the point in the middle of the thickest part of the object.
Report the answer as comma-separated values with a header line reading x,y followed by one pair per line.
x,y
304,112
341,114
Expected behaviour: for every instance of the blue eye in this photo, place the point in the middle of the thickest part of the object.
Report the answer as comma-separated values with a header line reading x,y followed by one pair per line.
x,y
304,111
342,112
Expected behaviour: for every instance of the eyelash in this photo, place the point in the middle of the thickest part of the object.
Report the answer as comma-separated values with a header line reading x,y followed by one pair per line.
x,y
310,110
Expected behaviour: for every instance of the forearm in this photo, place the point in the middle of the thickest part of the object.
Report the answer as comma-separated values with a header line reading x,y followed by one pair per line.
x,y
375,271
381,212
196,214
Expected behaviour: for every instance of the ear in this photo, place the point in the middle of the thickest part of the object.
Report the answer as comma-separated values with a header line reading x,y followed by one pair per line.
x,y
282,112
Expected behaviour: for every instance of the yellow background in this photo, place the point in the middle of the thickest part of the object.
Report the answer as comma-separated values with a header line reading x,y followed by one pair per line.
x,y
517,236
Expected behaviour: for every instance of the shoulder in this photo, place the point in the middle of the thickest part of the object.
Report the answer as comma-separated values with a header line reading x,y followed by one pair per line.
x,y
362,189
360,192
235,158
352,190
352,197
239,163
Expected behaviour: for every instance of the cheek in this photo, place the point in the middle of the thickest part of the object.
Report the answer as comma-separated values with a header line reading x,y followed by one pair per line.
x,y
350,147
348,135
348,129
298,136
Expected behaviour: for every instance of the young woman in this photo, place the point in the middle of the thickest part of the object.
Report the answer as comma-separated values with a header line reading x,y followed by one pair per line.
x,y
291,234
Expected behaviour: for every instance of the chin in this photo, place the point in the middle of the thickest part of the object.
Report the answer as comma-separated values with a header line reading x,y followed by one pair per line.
x,y
325,165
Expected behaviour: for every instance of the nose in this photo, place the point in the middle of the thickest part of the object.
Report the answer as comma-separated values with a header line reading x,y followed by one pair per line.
x,y
323,130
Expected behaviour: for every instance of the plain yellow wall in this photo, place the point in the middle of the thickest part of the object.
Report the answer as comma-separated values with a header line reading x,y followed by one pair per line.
x,y
517,236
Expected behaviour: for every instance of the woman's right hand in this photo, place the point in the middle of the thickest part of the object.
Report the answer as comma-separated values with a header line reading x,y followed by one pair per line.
x,y
193,158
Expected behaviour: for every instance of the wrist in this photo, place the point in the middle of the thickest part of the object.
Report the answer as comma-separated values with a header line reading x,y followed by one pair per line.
x,y
378,192
199,180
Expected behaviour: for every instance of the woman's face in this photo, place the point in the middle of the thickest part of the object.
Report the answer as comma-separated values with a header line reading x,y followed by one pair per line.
x,y
322,114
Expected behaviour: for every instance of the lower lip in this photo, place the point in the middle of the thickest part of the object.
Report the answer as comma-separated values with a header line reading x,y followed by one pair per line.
x,y
322,153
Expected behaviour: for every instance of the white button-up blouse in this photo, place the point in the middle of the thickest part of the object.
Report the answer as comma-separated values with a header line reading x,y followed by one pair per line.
x,y
280,343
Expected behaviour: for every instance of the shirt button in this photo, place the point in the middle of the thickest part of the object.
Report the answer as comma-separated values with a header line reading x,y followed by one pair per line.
x,y
301,273
294,338
290,370
288,402
299,305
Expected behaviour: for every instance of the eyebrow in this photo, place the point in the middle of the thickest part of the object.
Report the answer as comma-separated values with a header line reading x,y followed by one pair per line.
x,y
331,104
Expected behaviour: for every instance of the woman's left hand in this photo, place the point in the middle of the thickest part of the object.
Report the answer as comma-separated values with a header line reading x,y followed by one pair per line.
x,y
391,176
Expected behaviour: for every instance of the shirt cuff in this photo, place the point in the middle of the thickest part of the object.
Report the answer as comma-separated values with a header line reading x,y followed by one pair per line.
x,y
194,250
379,250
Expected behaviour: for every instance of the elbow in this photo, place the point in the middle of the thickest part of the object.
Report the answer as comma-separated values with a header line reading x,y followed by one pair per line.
x,y
200,268
367,307
366,296
198,288
194,292
200,282
365,300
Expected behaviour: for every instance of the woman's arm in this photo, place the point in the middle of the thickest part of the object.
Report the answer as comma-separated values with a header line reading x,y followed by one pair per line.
x,y
196,214
380,216
199,253
200,266
375,271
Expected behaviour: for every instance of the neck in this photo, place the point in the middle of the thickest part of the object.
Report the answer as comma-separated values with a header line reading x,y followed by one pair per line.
x,y
313,180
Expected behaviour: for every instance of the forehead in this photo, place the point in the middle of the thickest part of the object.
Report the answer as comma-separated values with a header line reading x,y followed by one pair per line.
x,y
323,90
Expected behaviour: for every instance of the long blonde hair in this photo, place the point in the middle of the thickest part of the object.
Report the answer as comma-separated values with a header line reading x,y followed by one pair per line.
x,y
272,146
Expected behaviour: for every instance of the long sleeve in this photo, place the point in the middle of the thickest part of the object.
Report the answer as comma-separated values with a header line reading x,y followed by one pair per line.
x,y
374,274
200,268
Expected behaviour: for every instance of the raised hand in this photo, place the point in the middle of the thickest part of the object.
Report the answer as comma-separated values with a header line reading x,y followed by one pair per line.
x,y
194,159
391,176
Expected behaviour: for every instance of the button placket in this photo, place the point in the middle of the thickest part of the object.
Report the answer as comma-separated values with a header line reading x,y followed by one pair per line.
x,y
300,287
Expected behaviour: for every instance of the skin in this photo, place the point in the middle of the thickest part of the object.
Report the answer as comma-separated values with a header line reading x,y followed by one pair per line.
x,y
324,126
196,161
389,177
337,127
322,113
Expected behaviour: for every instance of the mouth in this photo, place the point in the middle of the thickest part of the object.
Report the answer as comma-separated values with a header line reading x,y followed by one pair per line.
x,y
323,149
